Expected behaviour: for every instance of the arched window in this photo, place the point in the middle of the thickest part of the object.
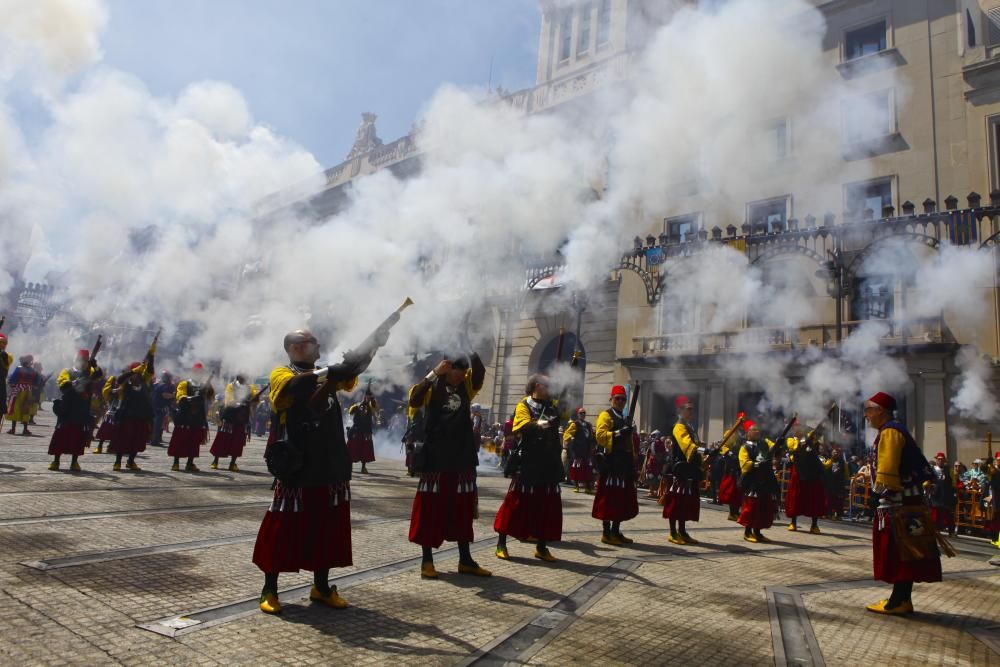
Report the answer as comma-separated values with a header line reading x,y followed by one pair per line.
x,y
546,353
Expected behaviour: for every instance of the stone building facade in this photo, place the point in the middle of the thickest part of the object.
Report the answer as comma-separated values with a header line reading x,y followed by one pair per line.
x,y
927,174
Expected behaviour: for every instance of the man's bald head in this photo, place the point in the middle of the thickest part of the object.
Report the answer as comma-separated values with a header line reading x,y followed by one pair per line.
x,y
301,346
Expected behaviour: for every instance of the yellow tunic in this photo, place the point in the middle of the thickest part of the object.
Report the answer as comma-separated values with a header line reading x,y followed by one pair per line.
x,y
229,397
469,388
746,463
604,430
890,454
569,432
182,388
682,436
281,400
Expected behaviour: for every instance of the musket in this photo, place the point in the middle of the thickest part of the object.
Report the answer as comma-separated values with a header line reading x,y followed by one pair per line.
x,y
3,318
782,440
93,352
559,344
367,348
633,399
732,430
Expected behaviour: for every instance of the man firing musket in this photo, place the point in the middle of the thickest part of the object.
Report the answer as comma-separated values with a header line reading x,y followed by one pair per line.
x,y
194,396
74,419
364,415
134,414
238,402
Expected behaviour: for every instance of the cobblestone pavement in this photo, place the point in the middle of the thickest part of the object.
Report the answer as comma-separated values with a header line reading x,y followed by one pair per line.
x,y
154,567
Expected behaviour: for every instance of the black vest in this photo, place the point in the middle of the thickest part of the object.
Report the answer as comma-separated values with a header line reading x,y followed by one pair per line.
x,y
541,451
448,437
619,460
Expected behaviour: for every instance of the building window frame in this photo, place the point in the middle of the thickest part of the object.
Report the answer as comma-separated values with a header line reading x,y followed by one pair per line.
x,y
682,228
868,23
993,157
850,190
565,46
850,136
784,200
605,13
584,29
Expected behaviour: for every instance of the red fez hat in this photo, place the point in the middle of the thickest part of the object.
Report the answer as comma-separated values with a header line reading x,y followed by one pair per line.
x,y
134,365
998,455
617,390
681,401
940,455
884,400
580,411
749,424
3,336
197,366
83,354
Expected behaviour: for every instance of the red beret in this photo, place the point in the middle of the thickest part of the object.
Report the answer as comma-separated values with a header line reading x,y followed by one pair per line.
x,y
940,455
749,424
197,366
617,390
998,455
3,336
681,401
884,400
83,354
581,410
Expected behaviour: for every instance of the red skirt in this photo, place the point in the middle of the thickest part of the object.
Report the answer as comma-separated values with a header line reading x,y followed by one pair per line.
x,y
306,529
804,498
757,512
361,448
530,511
186,441
580,470
106,431
886,563
130,437
681,501
729,491
69,439
229,440
444,508
943,518
615,499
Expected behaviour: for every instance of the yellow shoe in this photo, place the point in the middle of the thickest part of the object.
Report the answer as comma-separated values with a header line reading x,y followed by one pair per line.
x,y
96,450
474,569
545,555
814,530
675,538
233,467
750,538
214,466
117,467
191,468
75,467
688,539
611,539
331,599
427,571
763,539
54,465
269,604
133,467
175,468
624,540
576,489
502,553
792,527
899,610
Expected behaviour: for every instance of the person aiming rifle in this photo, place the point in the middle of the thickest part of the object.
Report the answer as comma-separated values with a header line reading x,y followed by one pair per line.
x,y
757,481
308,524
134,416
806,495
239,400
360,442
194,396
75,421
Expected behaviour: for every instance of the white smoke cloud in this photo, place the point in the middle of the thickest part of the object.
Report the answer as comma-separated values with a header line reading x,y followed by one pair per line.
x,y
974,397
497,190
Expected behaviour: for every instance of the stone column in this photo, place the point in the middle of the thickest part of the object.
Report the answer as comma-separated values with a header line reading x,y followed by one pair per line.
x,y
716,415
